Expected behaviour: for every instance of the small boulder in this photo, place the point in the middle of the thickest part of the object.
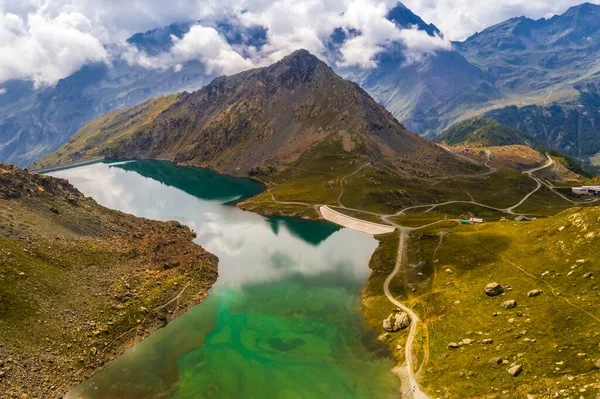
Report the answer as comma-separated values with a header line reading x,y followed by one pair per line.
x,y
396,321
487,341
493,289
495,361
587,275
597,363
453,345
533,293
511,303
515,370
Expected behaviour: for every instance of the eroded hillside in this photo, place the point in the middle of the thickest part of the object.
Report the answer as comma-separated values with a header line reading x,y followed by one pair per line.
x,y
80,283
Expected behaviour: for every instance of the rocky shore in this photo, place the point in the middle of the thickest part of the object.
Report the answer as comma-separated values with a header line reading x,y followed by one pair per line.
x,y
80,284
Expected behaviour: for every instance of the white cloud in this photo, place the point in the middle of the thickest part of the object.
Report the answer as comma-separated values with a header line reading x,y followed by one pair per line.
x,y
376,32
459,19
200,43
45,49
419,43
2,91
45,40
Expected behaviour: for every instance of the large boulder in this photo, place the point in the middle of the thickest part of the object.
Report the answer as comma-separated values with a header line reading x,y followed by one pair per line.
x,y
396,321
515,370
493,289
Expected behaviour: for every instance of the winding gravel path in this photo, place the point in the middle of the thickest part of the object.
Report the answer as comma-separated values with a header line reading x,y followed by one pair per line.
x,y
410,385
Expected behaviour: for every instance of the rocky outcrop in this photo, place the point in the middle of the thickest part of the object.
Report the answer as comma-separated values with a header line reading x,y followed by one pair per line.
x,y
396,321
515,370
493,289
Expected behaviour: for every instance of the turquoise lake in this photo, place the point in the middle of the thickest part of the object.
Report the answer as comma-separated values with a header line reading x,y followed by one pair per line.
x,y
283,319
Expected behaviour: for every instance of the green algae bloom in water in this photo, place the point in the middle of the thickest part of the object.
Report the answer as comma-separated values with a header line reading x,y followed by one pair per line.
x,y
283,319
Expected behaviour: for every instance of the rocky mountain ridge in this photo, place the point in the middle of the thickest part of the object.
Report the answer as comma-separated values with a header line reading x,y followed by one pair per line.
x,y
260,121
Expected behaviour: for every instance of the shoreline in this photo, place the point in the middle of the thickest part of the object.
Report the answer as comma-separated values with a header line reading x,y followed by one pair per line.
x,y
87,283
371,290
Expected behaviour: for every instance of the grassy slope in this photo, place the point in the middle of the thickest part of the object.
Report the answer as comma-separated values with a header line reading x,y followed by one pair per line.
x,y
82,280
457,307
106,130
375,188
482,132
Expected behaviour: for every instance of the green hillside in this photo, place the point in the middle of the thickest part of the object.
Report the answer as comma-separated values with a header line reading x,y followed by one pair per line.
x,y
554,336
483,132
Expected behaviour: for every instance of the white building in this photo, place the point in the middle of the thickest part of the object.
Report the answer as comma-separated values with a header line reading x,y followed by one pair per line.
x,y
587,190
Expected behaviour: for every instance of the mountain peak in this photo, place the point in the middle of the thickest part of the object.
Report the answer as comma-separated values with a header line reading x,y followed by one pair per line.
x,y
299,66
300,53
582,8
405,18
264,120
300,57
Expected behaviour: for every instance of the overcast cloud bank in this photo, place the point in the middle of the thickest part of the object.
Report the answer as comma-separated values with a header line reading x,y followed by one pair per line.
x,y
47,40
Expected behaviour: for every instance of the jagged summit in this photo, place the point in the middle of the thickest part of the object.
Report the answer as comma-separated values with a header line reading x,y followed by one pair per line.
x,y
404,17
583,8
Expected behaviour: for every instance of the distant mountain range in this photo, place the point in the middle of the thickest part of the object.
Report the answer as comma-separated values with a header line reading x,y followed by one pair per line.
x,y
549,74
541,77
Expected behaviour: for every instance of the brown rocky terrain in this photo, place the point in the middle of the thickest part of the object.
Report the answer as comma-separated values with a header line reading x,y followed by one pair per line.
x,y
517,158
260,121
79,283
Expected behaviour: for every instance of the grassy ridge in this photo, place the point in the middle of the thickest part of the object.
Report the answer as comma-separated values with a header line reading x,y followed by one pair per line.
x,y
106,131
483,132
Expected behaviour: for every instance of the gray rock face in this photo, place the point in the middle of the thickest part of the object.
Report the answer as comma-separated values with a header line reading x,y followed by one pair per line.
x,y
515,370
525,56
396,321
493,289
533,293
511,303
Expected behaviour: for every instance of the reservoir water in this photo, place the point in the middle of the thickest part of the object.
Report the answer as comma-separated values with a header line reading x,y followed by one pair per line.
x,y
283,319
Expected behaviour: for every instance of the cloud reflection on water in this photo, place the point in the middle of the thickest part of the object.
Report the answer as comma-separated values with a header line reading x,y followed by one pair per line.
x,y
247,244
